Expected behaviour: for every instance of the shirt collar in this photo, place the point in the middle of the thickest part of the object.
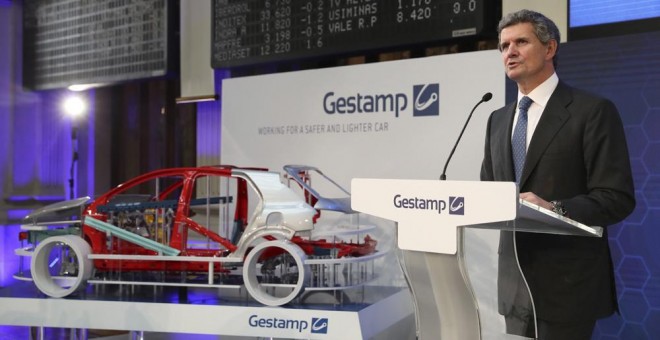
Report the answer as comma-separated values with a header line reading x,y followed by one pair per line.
x,y
541,94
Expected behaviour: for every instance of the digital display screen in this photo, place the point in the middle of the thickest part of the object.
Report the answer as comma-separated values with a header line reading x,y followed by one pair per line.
x,y
247,32
86,42
597,12
590,19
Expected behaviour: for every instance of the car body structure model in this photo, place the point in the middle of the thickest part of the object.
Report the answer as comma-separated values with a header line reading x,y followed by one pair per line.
x,y
210,226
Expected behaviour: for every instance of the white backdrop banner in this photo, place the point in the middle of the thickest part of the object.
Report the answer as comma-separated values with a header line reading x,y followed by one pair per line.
x,y
395,119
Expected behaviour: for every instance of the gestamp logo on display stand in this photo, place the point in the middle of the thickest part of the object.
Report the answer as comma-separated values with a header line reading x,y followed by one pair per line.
x,y
320,325
456,204
316,326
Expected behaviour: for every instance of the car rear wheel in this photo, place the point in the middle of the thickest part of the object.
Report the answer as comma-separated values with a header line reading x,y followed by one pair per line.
x,y
274,272
61,265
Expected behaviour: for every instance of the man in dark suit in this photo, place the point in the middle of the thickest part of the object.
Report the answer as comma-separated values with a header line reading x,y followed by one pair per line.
x,y
573,160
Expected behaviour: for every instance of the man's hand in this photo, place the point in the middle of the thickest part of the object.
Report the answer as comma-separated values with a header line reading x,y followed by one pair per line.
x,y
532,198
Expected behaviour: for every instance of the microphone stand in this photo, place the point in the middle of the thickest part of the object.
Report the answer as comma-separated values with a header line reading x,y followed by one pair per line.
x,y
485,98
74,160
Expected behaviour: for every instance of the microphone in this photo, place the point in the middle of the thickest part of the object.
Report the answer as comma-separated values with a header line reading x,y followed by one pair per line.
x,y
484,99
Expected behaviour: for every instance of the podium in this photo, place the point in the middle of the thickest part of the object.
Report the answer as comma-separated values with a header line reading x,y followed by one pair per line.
x,y
432,217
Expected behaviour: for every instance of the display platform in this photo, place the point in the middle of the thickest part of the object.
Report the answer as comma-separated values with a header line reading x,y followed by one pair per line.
x,y
365,313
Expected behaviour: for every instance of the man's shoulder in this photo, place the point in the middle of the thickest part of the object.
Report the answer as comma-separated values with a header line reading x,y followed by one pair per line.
x,y
577,94
503,111
503,115
579,102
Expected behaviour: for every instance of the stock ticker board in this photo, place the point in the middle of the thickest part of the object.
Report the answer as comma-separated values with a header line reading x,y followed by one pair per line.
x,y
248,32
85,41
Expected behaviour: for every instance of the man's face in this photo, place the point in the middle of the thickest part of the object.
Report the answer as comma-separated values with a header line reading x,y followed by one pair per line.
x,y
526,60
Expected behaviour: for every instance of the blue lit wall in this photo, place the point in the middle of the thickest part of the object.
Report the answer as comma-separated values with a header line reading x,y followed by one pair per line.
x,y
36,147
6,103
626,69
208,125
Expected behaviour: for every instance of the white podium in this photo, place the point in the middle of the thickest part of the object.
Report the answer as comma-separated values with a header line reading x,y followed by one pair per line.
x,y
430,217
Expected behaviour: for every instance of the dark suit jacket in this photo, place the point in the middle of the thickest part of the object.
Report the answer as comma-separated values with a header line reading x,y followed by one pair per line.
x,y
578,154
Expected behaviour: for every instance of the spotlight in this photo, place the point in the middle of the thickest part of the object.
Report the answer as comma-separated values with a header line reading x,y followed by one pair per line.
x,y
74,106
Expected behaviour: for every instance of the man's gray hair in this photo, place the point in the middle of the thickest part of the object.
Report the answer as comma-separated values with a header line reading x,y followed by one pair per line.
x,y
544,28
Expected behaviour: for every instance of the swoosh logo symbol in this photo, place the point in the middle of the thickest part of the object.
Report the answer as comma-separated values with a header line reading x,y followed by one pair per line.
x,y
421,106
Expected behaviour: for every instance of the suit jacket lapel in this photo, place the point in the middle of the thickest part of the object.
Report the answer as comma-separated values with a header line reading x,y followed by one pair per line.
x,y
508,156
553,118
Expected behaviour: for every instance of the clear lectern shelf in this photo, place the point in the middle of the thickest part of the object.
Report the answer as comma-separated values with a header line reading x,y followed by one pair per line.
x,y
534,218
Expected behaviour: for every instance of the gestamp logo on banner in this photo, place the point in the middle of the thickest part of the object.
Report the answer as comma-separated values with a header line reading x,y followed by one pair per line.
x,y
426,100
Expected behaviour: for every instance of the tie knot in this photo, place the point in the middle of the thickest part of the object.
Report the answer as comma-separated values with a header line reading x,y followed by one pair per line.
x,y
525,103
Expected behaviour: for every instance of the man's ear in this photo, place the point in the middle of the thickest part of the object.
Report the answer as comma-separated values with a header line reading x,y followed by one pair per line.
x,y
551,49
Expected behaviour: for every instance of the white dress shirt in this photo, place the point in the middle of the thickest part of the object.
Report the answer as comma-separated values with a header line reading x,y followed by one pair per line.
x,y
540,96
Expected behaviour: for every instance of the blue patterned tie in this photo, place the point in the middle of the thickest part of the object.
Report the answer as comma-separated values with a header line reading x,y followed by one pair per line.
x,y
519,140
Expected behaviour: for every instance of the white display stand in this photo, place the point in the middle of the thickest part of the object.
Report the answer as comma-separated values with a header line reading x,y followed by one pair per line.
x,y
363,320
430,217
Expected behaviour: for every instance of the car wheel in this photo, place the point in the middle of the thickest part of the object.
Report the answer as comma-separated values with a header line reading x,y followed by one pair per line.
x,y
61,265
274,272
